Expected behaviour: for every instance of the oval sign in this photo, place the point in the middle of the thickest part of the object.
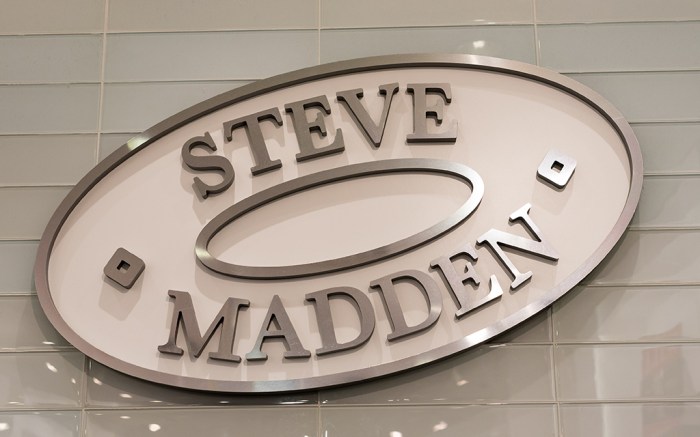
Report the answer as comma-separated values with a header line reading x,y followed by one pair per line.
x,y
339,223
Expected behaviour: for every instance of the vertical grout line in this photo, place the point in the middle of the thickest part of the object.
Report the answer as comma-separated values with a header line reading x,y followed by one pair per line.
x,y
319,428
83,397
318,39
555,373
102,82
537,37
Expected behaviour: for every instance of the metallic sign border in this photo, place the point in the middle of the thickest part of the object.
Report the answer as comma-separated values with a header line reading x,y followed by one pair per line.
x,y
455,61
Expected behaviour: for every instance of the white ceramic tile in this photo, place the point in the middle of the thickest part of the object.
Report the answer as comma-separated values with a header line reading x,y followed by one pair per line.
x,y
40,380
592,11
620,47
664,202
627,372
398,13
48,108
21,17
17,266
537,329
134,107
109,389
45,159
50,59
111,142
269,421
186,15
28,210
208,56
23,325
512,42
612,420
669,147
40,423
651,257
452,421
628,314
670,96
488,374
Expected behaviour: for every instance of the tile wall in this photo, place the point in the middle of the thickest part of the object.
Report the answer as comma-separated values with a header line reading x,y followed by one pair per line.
x,y
619,355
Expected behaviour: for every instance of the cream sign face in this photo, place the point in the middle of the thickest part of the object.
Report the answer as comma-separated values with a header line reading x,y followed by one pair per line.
x,y
339,223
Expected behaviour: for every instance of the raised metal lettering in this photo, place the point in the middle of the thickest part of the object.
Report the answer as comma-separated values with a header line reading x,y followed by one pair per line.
x,y
284,330
465,301
326,327
303,128
258,148
425,283
351,99
203,163
421,113
495,239
183,315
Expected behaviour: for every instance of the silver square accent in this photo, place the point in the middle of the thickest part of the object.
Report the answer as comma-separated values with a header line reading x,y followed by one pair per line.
x,y
124,268
557,168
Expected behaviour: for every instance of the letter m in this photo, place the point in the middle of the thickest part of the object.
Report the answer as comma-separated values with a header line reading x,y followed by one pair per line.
x,y
184,316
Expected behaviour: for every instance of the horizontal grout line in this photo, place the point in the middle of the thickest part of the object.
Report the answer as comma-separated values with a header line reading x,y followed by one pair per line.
x,y
433,26
574,23
99,33
630,401
650,71
239,406
671,174
42,350
630,343
663,228
39,185
4,294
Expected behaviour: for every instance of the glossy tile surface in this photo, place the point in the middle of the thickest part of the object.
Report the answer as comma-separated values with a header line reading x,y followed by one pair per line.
x,y
488,374
612,420
185,15
49,108
293,422
134,107
614,314
401,13
31,209
514,42
669,148
40,380
457,421
664,202
23,325
16,265
40,423
619,47
50,59
595,11
627,372
651,257
537,329
209,56
111,142
45,159
20,17
662,96
110,389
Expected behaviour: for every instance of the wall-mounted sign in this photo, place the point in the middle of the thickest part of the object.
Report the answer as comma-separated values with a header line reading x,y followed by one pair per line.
x,y
339,223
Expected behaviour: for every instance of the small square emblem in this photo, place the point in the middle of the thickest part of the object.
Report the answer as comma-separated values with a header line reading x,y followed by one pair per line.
x,y
124,268
557,168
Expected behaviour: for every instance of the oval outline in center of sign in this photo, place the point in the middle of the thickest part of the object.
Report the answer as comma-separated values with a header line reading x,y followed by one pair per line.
x,y
457,170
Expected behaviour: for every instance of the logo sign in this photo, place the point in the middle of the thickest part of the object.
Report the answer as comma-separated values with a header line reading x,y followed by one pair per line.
x,y
339,223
